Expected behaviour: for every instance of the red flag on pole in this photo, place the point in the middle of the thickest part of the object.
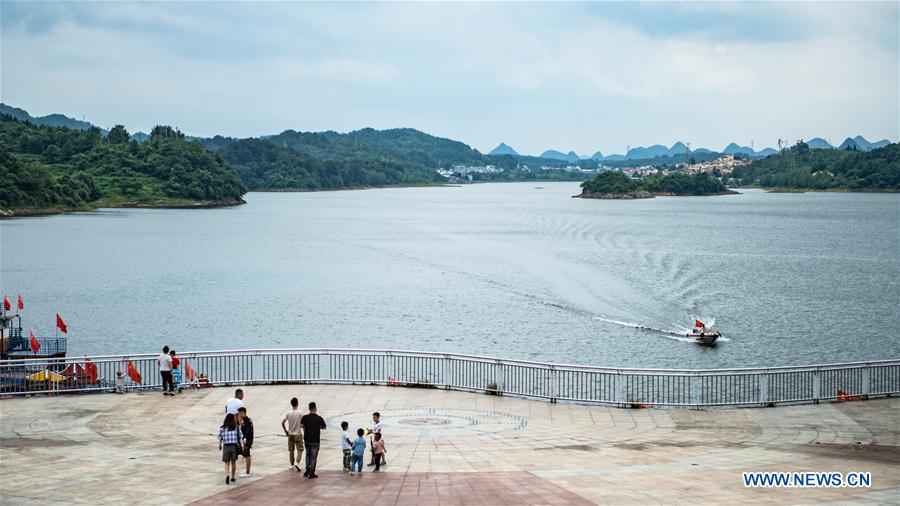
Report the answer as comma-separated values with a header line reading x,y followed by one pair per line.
x,y
21,303
698,323
132,372
61,325
35,345
6,305
91,369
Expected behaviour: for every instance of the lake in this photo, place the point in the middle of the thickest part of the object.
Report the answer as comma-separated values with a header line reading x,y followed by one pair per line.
x,y
516,270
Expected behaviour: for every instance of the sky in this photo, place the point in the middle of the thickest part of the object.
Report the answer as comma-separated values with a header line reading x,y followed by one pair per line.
x,y
565,76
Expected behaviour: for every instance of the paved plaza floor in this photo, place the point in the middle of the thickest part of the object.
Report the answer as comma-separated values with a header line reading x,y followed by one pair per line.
x,y
443,448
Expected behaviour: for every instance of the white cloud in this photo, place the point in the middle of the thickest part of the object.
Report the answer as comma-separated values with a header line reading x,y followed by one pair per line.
x,y
568,76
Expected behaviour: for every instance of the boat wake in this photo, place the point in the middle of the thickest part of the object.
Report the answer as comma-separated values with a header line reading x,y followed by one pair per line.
x,y
676,334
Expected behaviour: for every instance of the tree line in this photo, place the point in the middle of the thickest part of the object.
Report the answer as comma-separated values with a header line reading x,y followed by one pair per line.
x,y
49,167
821,169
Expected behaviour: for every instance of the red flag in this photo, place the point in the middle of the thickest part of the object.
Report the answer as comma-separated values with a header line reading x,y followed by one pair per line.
x,y
21,303
91,369
61,325
188,371
132,372
35,345
6,305
698,323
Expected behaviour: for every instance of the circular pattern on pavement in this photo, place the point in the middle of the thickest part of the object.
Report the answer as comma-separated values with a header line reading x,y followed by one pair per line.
x,y
446,420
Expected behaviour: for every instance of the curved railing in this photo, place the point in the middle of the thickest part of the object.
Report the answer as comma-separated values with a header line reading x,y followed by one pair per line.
x,y
553,382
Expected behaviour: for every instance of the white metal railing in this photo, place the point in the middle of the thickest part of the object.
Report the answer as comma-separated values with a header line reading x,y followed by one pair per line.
x,y
553,382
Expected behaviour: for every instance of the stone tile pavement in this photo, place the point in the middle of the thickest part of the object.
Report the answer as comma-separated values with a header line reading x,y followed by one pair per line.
x,y
443,448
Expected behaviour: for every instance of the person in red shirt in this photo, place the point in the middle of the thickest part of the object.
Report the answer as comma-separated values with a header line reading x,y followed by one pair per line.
x,y
175,361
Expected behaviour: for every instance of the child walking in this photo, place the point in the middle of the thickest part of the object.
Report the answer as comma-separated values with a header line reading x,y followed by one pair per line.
x,y
378,451
230,439
346,445
358,452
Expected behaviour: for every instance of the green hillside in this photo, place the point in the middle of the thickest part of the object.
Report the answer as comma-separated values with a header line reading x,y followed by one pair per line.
x,y
44,168
266,165
824,169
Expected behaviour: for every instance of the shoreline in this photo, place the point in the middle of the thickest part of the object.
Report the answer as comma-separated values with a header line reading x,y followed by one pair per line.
x,y
353,188
25,212
646,195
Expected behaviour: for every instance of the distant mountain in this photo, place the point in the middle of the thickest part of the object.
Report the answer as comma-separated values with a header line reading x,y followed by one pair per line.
x,y
503,149
860,143
54,120
553,154
640,152
140,136
678,148
615,158
733,149
819,143
597,156
703,151
766,152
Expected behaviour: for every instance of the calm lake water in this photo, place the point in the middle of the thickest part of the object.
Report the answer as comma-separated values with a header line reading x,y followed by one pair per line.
x,y
508,270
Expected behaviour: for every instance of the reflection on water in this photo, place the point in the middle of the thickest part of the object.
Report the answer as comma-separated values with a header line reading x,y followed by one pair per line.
x,y
501,269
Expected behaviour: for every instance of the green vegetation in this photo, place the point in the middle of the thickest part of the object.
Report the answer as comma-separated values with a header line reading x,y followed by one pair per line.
x,y
613,184
295,160
264,165
44,168
825,169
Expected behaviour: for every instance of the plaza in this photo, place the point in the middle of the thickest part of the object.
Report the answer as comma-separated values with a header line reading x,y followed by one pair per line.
x,y
444,447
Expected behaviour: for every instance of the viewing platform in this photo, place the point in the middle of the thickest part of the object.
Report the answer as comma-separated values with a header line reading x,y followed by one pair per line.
x,y
444,446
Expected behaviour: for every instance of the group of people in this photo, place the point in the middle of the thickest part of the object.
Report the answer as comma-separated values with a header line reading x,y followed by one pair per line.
x,y
235,436
170,370
304,432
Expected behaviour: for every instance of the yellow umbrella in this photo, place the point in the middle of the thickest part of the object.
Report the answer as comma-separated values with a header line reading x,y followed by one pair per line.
x,y
46,375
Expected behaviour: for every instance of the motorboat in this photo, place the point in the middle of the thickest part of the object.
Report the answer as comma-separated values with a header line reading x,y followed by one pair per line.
x,y
703,335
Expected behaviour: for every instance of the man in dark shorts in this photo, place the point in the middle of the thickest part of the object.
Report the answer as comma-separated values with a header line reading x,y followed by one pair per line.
x,y
312,425
247,430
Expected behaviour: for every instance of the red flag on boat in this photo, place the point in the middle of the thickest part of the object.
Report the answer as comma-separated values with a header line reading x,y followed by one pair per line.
x,y
35,345
21,303
61,325
698,323
132,372
6,305
91,369
188,371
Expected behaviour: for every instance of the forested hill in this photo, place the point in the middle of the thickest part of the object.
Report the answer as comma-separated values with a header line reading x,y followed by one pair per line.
x,y
46,168
295,160
823,169
265,165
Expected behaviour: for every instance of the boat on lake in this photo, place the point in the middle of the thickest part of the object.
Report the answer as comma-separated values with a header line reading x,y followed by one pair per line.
x,y
703,335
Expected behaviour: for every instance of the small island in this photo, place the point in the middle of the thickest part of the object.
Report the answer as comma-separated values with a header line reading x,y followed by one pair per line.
x,y
615,185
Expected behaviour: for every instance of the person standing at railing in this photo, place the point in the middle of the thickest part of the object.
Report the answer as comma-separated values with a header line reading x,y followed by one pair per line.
x,y
312,425
290,424
164,361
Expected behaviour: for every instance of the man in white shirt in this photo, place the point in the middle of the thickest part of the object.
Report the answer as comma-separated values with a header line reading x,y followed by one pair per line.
x,y
235,403
164,362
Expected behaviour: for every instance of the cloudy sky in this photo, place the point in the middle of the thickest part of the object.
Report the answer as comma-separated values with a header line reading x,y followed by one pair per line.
x,y
538,76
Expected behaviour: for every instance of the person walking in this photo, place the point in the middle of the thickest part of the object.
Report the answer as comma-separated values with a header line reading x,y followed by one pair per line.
x,y
230,439
290,424
164,362
312,425
247,432
235,403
